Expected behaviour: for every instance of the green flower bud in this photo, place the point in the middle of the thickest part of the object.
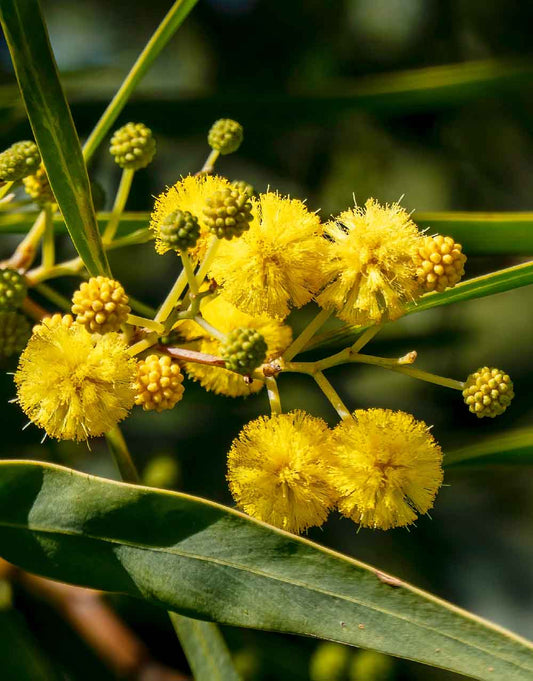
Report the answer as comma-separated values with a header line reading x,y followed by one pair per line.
x,y
225,136
243,350
133,146
15,331
162,471
20,160
38,187
488,392
244,187
13,289
179,230
228,213
368,665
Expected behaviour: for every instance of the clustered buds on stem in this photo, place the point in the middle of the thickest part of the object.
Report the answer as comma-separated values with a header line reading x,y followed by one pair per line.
x,y
228,213
225,136
13,289
14,333
133,146
243,350
440,263
18,161
179,230
100,305
488,392
38,188
159,383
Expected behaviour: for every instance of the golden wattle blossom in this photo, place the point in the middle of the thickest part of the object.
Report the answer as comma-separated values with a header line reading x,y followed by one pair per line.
x,y
388,468
277,470
277,264
371,268
73,384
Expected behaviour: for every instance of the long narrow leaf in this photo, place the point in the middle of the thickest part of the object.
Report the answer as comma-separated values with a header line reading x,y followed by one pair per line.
x,y
53,127
207,561
478,287
205,649
512,447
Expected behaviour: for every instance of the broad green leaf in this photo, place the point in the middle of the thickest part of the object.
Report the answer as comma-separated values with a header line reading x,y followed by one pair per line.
x,y
52,126
511,447
478,287
205,649
483,233
170,24
207,561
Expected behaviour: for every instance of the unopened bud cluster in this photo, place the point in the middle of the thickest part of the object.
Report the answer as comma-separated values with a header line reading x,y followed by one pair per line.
x,y
244,187
13,289
133,146
100,305
225,136
14,333
179,230
228,213
488,392
243,350
440,263
20,160
38,188
159,383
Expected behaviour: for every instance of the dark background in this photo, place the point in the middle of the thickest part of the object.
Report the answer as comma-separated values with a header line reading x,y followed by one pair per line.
x,y
287,71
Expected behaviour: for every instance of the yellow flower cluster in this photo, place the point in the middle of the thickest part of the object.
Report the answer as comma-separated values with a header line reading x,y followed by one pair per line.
x,y
225,317
379,468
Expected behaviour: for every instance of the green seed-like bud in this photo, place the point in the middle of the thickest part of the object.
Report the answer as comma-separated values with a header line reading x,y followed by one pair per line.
x,y
371,666
228,213
15,331
225,136
20,160
179,230
329,662
133,146
244,187
13,289
243,350
38,187
488,392
163,471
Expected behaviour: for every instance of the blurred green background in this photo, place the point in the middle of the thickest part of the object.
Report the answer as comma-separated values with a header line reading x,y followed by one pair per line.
x,y
328,117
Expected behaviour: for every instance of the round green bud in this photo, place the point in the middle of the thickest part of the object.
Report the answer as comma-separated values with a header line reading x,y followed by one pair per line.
x,y
20,160
13,289
179,230
329,662
371,666
38,187
133,146
225,136
243,350
488,392
162,471
228,213
15,331
244,187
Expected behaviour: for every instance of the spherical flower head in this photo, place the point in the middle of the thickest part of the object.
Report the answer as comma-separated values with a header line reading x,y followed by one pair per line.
x,y
244,187
228,213
388,468
73,384
488,392
14,333
440,263
179,231
243,350
38,187
277,470
226,317
13,289
54,321
225,136
133,146
370,266
100,305
20,160
188,194
159,383
277,263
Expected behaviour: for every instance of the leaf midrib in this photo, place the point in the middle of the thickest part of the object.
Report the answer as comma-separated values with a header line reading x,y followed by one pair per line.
x,y
291,582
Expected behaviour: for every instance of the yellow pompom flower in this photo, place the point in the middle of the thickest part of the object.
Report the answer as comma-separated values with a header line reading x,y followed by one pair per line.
x,y
190,194
389,468
73,384
371,269
225,317
277,263
277,470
